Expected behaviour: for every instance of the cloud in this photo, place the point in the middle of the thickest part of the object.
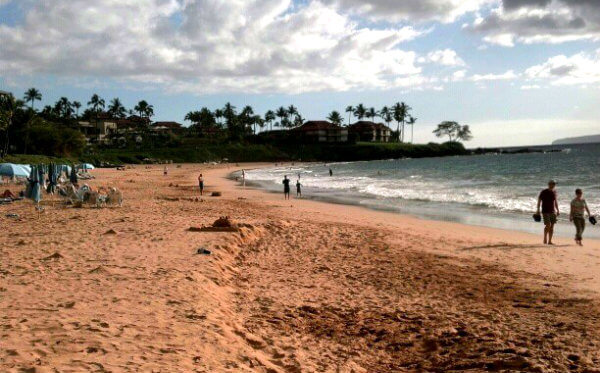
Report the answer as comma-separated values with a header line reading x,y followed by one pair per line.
x,y
207,46
445,57
410,10
509,75
540,21
580,69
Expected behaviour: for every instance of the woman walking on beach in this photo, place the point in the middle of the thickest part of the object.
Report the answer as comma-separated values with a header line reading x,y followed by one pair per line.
x,y
201,184
286,187
578,208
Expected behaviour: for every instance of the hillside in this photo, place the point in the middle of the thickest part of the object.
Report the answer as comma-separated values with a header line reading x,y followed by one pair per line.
x,y
578,140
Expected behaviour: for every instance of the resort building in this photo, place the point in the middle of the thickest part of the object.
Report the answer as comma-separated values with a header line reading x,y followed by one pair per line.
x,y
323,132
370,132
96,130
163,127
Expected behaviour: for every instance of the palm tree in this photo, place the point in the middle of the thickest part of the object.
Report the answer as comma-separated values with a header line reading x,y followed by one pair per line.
x,y
298,121
371,113
246,117
116,108
411,122
335,118
63,108
32,95
386,115
269,118
360,111
350,111
257,121
8,107
96,103
141,108
283,114
76,105
149,111
292,110
401,111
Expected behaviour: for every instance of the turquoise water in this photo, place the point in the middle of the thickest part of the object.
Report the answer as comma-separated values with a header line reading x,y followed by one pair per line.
x,y
489,190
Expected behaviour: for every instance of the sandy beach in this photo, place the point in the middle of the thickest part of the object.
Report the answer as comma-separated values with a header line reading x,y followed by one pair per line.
x,y
304,286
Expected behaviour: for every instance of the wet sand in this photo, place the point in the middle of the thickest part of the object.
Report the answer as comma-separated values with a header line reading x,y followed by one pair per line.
x,y
304,286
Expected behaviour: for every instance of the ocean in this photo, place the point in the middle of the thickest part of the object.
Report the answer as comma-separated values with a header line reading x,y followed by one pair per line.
x,y
495,190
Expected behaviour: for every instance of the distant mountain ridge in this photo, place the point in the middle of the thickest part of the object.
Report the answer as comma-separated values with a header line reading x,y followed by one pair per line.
x,y
578,140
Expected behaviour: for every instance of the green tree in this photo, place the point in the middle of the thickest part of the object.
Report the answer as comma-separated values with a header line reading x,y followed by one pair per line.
x,y
283,116
360,111
269,118
350,111
32,95
96,103
63,108
386,115
77,106
8,108
411,122
144,109
371,113
454,131
401,112
335,117
202,120
116,108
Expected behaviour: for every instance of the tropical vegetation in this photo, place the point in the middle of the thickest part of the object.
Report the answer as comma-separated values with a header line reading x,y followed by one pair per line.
x,y
55,129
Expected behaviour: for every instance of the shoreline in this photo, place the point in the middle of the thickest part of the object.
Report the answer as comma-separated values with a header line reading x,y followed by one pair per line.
x,y
466,215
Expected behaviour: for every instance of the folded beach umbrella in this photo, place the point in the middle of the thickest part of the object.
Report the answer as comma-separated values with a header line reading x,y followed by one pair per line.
x,y
13,170
34,188
73,178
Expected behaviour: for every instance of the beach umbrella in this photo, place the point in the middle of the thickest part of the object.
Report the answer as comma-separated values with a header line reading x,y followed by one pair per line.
x,y
26,167
13,170
87,166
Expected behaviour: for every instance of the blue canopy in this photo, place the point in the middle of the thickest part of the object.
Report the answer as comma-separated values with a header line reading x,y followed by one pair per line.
x,y
10,170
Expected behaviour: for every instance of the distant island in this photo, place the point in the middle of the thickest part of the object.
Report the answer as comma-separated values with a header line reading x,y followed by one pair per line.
x,y
578,140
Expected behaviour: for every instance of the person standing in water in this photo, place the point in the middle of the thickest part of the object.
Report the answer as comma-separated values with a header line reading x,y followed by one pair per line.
x,y
298,189
243,177
549,203
201,184
330,172
286,187
578,208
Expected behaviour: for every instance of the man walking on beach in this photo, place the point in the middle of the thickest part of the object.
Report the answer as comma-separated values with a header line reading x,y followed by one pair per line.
x,y
578,208
549,204
286,187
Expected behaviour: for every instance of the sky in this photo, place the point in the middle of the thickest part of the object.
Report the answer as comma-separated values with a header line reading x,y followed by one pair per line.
x,y
518,72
